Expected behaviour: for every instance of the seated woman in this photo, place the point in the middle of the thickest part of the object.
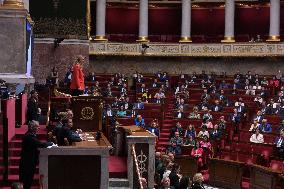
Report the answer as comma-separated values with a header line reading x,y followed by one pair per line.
x,y
205,143
203,133
153,128
222,122
207,114
139,121
194,114
190,131
208,124
257,137
121,112
189,141
254,126
197,151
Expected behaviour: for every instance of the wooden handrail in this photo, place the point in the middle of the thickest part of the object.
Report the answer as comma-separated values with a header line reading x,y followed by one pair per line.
x,y
136,166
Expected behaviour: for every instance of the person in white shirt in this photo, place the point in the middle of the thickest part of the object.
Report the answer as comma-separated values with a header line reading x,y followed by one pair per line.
x,y
257,137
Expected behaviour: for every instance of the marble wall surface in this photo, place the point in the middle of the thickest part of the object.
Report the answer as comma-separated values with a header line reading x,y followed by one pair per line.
x,y
13,40
45,57
177,65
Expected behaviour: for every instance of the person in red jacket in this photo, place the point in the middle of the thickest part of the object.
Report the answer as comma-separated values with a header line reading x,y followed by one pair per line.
x,y
77,85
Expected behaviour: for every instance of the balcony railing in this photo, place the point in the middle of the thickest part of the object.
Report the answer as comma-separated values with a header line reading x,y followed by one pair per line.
x,y
191,49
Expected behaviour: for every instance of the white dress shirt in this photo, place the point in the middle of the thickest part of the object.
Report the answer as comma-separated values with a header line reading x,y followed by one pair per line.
x,y
257,139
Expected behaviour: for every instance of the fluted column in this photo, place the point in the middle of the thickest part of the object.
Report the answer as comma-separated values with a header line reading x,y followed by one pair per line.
x,y
274,29
186,22
229,21
143,21
100,20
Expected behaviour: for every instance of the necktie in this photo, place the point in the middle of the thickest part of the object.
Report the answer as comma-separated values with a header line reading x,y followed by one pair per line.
x,y
279,142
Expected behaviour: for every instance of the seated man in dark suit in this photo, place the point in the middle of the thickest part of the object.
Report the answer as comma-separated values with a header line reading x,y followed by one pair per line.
x,y
66,135
179,114
279,142
236,119
176,128
215,134
217,107
29,154
281,127
142,89
139,105
91,77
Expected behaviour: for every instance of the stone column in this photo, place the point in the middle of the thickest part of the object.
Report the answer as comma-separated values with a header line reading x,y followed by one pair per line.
x,y
13,3
186,22
143,21
100,20
274,30
27,4
229,21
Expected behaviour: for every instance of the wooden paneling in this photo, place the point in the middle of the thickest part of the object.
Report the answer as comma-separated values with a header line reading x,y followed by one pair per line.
x,y
226,173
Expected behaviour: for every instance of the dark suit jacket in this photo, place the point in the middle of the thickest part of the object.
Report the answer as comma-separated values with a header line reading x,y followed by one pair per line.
x,y
32,112
282,143
66,132
237,118
216,108
176,114
197,186
174,180
29,154
215,135
91,78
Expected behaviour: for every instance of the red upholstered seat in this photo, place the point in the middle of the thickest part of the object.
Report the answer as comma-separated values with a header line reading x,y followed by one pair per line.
x,y
246,158
265,150
242,147
245,136
277,165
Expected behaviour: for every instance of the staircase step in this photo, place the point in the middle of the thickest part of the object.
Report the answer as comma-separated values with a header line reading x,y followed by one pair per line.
x,y
14,169
163,135
15,152
118,183
163,143
15,160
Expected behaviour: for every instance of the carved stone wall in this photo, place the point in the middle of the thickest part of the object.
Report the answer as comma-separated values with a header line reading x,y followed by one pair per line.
x,y
45,56
177,65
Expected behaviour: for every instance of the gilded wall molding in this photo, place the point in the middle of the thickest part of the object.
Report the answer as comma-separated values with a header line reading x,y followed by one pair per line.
x,y
194,50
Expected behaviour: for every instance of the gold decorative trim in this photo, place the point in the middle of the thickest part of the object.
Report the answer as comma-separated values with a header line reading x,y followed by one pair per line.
x,y
185,40
143,39
14,4
87,113
29,18
228,40
273,38
100,38
189,49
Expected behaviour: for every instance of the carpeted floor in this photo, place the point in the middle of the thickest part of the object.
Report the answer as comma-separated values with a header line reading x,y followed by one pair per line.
x,y
117,167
